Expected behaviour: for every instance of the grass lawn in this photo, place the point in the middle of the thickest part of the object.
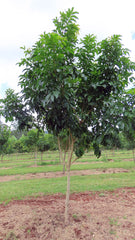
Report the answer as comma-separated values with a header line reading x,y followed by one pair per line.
x,y
49,157
34,187
54,168
20,188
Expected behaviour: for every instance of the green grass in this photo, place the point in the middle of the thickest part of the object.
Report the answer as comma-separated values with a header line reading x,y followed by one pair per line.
x,y
34,187
22,157
54,168
18,189
26,164
27,159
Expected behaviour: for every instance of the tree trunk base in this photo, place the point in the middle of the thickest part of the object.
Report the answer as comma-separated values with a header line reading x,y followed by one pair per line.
x,y
67,199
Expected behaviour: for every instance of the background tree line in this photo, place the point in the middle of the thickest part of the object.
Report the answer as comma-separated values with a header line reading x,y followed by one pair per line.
x,y
16,141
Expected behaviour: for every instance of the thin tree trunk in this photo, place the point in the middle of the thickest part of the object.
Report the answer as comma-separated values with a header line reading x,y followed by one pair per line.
x,y
67,198
60,152
63,171
42,157
62,155
35,155
2,158
67,155
70,154
64,160
35,158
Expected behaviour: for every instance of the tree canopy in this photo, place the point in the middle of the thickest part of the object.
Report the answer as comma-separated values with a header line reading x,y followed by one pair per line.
x,y
67,82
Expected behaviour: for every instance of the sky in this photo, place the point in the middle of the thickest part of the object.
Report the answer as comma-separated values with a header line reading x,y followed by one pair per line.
x,y
22,22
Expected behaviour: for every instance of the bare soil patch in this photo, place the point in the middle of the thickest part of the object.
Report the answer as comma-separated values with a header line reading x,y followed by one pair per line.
x,y
60,174
93,216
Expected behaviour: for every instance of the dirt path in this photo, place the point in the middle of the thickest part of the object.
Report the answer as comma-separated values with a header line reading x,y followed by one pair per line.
x,y
60,174
93,216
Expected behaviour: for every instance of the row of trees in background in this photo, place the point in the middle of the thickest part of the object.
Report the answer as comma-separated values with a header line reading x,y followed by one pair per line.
x,y
15,141
28,141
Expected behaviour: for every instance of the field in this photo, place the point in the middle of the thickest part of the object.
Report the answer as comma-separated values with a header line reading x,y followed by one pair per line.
x,y
102,201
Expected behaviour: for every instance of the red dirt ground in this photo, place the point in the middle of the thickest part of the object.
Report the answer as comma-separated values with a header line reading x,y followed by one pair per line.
x,y
93,216
60,174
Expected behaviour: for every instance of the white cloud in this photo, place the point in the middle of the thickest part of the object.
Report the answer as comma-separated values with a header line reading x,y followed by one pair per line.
x,y
20,23
9,73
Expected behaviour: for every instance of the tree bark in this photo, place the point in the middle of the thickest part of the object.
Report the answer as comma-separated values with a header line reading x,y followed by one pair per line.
x,y
67,198
42,157
60,153
70,154
63,171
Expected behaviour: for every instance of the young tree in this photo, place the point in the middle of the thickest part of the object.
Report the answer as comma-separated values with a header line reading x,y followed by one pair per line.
x,y
129,127
68,84
21,144
4,136
11,144
45,142
32,140
14,108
